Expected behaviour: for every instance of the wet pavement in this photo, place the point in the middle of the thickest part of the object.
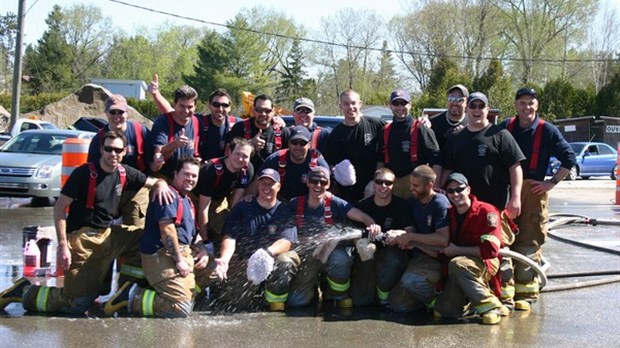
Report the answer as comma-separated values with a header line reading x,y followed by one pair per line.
x,y
576,318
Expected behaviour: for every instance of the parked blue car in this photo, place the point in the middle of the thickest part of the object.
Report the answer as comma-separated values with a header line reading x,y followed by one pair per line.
x,y
593,159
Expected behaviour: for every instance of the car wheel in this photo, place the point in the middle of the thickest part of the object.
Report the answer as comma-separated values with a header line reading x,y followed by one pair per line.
x,y
572,174
614,172
40,202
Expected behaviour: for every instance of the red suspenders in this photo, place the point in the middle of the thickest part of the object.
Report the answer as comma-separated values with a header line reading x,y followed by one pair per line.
x,y
413,145
92,183
535,145
301,205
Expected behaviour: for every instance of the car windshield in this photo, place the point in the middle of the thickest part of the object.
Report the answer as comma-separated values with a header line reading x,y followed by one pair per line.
x,y
38,143
48,126
577,148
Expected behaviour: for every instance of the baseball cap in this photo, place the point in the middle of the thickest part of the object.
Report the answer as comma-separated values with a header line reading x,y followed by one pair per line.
x,y
525,91
400,93
318,172
116,102
303,102
478,96
299,132
461,88
269,173
458,177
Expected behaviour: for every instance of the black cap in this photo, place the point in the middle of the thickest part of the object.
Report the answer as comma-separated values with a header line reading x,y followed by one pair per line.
x,y
526,91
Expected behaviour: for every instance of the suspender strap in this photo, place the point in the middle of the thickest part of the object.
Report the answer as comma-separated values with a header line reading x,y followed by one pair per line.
x,y
299,215
247,130
137,126
537,140
315,138
195,127
92,183
386,138
219,171
328,210
278,137
413,145
282,164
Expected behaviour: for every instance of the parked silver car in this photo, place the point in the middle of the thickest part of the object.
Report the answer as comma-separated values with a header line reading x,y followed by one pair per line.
x,y
30,163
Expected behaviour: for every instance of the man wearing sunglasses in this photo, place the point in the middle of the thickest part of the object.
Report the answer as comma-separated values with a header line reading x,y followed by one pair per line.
x,y
454,118
306,220
88,242
470,260
303,115
139,155
372,280
539,140
214,126
405,143
266,136
488,156
293,164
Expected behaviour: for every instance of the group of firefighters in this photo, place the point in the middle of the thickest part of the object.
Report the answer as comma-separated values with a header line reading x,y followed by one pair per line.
x,y
249,214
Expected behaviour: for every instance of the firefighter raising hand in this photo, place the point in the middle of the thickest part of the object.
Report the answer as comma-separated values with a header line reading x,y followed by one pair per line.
x,y
182,140
258,142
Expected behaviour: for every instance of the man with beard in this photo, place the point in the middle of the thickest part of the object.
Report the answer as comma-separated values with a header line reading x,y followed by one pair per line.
x,y
406,143
416,288
454,119
265,136
352,148
293,164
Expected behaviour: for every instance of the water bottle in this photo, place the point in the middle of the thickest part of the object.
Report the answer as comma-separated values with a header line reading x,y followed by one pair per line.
x,y
32,256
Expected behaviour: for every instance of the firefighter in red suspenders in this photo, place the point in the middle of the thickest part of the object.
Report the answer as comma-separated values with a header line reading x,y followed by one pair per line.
x,y
265,135
176,134
293,164
303,115
139,155
87,243
406,143
539,140
310,216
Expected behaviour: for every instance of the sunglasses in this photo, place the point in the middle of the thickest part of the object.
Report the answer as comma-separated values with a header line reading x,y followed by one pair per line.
x,y
315,181
263,111
116,112
475,106
112,149
399,103
303,111
456,99
384,182
456,189
218,104
299,142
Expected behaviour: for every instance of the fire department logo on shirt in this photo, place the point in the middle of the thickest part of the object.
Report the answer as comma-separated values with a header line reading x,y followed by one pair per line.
x,y
367,138
429,220
404,145
492,219
272,229
482,150
118,189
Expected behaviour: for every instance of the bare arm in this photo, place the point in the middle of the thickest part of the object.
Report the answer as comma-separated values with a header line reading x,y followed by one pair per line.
x,y
203,216
513,207
170,238
162,104
457,250
279,247
238,195
60,222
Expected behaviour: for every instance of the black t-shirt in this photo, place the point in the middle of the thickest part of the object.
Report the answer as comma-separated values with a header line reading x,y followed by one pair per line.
x,y
484,157
217,182
394,216
107,195
238,131
358,144
212,137
399,147
442,129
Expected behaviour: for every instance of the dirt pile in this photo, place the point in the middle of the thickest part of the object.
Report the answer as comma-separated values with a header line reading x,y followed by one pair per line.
x,y
87,101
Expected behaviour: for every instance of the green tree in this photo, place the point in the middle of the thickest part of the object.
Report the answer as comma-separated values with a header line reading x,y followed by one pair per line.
x,y
607,100
558,100
498,88
49,62
293,83
445,74
384,80
8,30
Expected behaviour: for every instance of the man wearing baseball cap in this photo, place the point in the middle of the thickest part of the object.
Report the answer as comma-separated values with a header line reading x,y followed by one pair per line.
x,y
453,119
405,143
303,115
539,140
488,156
471,257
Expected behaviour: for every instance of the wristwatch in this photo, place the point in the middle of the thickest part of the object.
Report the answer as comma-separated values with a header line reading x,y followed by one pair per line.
x,y
554,180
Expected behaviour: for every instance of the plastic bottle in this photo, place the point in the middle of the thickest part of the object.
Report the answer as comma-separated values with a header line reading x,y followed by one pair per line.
x,y
32,256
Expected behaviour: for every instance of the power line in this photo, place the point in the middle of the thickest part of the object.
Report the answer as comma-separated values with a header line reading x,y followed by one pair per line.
x,y
376,49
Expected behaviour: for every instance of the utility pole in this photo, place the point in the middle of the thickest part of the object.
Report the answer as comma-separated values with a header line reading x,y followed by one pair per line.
x,y
17,67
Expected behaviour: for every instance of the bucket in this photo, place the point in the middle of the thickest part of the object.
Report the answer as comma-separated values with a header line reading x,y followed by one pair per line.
x,y
74,154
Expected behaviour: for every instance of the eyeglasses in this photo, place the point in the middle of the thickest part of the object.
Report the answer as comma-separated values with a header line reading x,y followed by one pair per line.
x,y
218,104
456,99
475,106
384,182
263,111
116,112
315,181
298,142
399,103
115,149
456,189
303,111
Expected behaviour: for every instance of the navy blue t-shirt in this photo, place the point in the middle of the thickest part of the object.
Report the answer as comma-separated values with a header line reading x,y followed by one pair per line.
x,y
432,216
186,230
160,136
212,137
131,153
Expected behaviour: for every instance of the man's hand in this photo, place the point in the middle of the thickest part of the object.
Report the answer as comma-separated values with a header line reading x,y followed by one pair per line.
x,y
202,257
64,256
450,250
513,207
183,268
154,85
258,142
540,187
221,268
163,193
374,230
182,140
